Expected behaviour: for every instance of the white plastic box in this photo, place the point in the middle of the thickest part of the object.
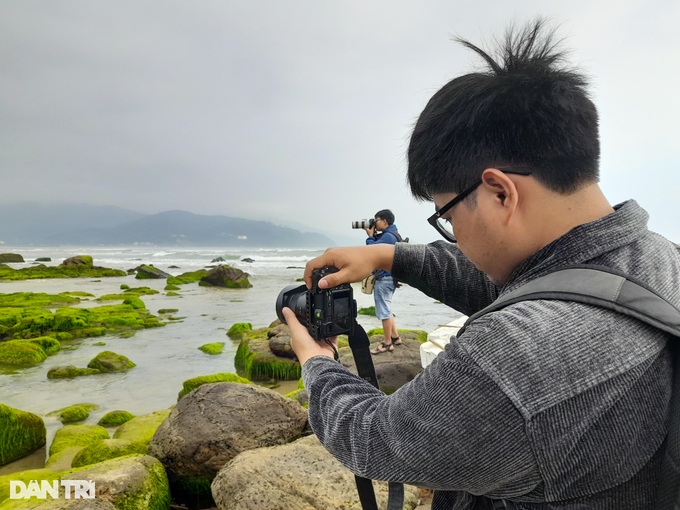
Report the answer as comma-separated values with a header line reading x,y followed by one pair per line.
x,y
437,340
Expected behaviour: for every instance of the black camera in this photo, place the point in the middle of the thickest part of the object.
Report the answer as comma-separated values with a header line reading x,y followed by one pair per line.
x,y
325,312
364,223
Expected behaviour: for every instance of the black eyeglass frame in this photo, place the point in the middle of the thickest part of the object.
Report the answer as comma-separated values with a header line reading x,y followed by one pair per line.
x,y
432,220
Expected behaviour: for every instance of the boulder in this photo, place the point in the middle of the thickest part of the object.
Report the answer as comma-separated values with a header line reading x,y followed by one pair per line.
x,y
21,353
134,481
279,341
69,372
298,476
21,432
107,361
148,272
11,257
77,435
106,449
214,423
115,418
226,276
394,369
78,260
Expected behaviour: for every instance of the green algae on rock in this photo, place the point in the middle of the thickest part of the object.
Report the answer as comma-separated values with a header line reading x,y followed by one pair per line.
x,y
226,276
109,361
212,348
106,449
191,384
70,372
140,429
256,362
21,353
238,329
115,418
77,435
62,271
186,278
21,433
74,413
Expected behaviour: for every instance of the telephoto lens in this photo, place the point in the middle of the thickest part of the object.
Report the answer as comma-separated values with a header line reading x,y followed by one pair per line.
x,y
364,223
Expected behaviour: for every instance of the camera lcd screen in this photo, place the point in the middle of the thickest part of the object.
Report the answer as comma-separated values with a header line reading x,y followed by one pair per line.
x,y
342,309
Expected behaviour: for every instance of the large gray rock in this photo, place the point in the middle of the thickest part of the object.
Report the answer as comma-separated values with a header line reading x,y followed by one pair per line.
x,y
226,276
279,341
11,257
298,476
214,423
394,369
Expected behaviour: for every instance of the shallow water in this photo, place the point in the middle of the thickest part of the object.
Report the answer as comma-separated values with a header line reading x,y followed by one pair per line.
x,y
168,356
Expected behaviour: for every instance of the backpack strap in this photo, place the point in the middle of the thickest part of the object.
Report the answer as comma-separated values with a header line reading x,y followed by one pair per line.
x,y
599,286
608,288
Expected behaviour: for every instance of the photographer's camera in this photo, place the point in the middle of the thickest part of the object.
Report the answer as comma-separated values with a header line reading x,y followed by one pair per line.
x,y
370,223
325,312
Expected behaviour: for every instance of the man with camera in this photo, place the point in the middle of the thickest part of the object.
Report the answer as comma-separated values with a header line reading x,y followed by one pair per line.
x,y
383,231
543,404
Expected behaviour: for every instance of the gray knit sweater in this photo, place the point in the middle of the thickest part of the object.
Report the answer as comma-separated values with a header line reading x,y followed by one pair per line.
x,y
544,404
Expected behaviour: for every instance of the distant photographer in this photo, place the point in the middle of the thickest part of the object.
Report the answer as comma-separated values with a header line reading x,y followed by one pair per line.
x,y
383,231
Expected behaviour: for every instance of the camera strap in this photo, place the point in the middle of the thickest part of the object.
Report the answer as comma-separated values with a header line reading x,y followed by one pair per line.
x,y
361,350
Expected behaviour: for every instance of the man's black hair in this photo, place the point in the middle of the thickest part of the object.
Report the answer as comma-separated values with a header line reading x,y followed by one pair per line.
x,y
385,214
526,109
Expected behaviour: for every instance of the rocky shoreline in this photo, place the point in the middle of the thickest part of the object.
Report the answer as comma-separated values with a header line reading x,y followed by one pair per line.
x,y
227,443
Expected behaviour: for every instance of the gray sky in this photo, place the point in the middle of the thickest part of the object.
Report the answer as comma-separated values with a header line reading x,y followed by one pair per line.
x,y
299,111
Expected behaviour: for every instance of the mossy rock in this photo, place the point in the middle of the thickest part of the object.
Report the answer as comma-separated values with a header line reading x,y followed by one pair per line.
x,y
106,449
11,257
226,276
256,362
21,433
142,291
140,429
134,481
28,299
79,260
236,330
69,372
171,287
186,278
47,343
77,435
213,348
21,353
135,302
191,384
108,361
74,413
43,272
166,311
115,418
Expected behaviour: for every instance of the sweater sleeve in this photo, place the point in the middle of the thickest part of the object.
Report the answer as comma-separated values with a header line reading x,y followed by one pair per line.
x,y
450,428
441,271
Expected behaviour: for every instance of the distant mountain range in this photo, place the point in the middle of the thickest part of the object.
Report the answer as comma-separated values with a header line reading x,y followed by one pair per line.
x,y
51,225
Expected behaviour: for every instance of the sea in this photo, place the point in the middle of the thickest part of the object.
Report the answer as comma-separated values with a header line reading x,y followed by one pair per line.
x,y
169,355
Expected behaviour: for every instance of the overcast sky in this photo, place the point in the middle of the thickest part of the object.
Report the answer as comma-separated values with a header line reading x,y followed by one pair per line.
x,y
299,111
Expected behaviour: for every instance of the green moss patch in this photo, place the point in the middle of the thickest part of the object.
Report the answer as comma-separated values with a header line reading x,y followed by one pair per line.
x,y
69,372
21,433
21,353
191,384
74,413
115,418
237,330
106,449
77,435
140,429
186,278
367,310
213,348
24,299
108,361
41,271
256,362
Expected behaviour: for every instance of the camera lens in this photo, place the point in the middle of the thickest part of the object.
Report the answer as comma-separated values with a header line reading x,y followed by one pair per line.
x,y
295,298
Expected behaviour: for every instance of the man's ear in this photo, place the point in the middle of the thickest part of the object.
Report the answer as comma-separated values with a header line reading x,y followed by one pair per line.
x,y
502,187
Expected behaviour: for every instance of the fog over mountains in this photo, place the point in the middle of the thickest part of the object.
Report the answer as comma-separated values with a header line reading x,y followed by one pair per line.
x,y
52,225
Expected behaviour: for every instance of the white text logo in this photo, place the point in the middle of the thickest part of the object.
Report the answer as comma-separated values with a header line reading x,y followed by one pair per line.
x,y
40,489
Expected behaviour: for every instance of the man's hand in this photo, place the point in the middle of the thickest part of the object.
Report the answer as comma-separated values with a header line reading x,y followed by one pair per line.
x,y
354,263
370,231
302,343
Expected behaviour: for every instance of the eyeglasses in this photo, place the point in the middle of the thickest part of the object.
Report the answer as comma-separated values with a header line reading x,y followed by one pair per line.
x,y
445,227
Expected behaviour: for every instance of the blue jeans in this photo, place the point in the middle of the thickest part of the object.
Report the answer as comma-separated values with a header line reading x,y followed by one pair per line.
x,y
382,293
